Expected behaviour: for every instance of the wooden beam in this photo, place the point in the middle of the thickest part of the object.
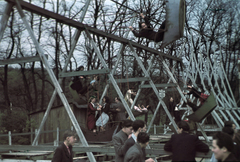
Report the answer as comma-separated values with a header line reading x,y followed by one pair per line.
x,y
59,18
78,73
20,60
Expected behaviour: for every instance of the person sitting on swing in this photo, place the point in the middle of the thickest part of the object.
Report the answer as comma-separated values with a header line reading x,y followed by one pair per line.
x,y
147,31
202,97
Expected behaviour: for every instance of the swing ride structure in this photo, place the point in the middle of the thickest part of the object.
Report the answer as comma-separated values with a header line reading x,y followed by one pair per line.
x,y
221,105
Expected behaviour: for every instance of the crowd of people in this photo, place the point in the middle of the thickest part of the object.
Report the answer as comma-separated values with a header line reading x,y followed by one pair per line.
x,y
131,141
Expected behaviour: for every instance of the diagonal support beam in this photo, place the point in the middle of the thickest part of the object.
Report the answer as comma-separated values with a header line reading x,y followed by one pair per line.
x,y
55,82
111,78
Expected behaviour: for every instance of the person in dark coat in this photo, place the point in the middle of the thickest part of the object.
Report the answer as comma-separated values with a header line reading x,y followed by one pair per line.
x,y
223,146
63,153
119,109
91,120
147,31
183,145
138,126
119,140
136,152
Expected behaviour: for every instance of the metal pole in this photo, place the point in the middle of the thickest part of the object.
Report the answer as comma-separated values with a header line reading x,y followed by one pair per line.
x,y
5,18
56,84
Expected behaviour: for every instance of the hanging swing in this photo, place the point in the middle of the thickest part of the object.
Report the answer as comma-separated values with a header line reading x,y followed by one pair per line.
x,y
204,110
175,19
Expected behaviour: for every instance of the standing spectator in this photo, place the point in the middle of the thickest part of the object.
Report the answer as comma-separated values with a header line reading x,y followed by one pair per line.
x,y
138,126
91,120
103,119
183,145
64,153
120,109
119,140
171,107
222,147
135,153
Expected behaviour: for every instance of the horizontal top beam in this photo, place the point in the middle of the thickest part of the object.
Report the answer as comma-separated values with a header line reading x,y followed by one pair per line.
x,y
20,60
139,79
78,73
159,85
48,14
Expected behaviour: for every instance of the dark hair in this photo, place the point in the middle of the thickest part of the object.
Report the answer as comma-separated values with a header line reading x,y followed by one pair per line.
x,y
127,123
79,68
68,133
138,124
228,130
224,140
143,137
184,125
118,99
228,124
107,100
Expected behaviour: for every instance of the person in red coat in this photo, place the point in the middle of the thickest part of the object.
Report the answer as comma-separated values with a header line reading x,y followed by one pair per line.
x,y
92,107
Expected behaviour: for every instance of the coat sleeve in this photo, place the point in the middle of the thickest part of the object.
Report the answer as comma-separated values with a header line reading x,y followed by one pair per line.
x,y
119,148
200,146
136,34
168,145
107,108
57,157
90,106
134,157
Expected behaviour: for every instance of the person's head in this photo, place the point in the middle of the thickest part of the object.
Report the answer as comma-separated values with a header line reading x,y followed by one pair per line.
x,y
127,126
171,99
139,126
143,139
222,145
230,124
92,99
229,131
80,68
117,99
106,99
183,127
69,137
142,25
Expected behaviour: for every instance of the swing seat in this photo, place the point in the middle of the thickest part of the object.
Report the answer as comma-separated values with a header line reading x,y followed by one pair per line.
x,y
138,113
77,100
175,19
204,110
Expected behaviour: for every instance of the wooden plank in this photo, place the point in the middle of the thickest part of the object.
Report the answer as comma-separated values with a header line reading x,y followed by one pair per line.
x,y
59,18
